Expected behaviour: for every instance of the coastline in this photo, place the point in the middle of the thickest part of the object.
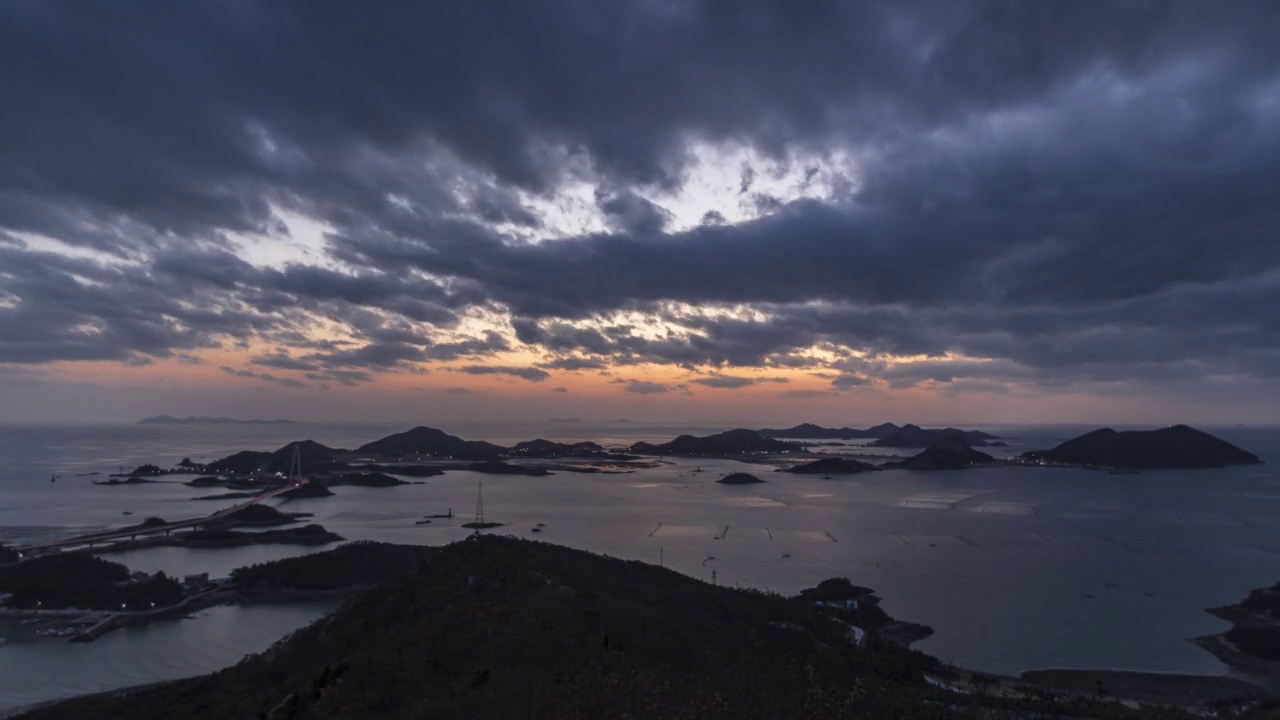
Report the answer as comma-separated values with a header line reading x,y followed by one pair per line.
x,y
1129,688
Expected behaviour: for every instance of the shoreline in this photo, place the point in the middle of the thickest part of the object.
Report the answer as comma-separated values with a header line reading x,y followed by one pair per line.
x,y
211,598
1127,687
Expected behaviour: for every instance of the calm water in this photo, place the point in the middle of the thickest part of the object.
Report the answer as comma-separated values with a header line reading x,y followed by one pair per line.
x,y
1015,568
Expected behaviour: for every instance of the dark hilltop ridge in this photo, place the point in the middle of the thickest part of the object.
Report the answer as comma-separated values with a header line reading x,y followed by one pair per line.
x,y
913,436
809,431
730,443
204,420
1176,446
494,627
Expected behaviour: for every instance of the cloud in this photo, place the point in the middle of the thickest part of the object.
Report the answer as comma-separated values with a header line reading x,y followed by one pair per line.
x,y
646,387
575,363
526,373
265,377
805,394
1045,195
849,381
724,381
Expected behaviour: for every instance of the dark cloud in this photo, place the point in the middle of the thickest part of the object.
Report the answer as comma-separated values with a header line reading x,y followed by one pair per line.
x,y
527,373
805,394
575,363
345,377
265,377
724,381
1074,192
645,387
730,382
848,381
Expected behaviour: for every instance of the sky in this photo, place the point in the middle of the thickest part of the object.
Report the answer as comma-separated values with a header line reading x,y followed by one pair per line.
x,y
739,210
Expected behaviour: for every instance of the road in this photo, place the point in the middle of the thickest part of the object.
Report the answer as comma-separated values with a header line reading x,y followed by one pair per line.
x,y
166,528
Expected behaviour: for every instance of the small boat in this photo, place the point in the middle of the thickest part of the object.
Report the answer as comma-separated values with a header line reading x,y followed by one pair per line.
x,y
537,529
423,522
826,477
53,478
127,512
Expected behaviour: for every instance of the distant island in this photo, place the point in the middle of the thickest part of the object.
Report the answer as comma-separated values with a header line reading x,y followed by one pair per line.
x,y
809,431
826,466
730,443
204,420
914,436
949,453
1176,446
739,478
884,435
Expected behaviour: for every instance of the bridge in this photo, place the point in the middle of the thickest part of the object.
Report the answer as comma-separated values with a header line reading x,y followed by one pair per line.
x,y
294,482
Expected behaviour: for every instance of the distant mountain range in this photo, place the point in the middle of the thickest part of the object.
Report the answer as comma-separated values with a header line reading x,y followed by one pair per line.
x,y
943,449
733,442
884,435
809,431
913,436
203,420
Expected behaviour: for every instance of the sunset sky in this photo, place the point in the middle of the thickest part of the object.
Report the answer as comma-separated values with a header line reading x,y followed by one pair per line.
x,y
738,211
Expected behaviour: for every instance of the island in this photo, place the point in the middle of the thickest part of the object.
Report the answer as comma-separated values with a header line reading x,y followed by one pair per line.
x,y
949,453
547,449
914,436
72,580
739,478
827,466
809,431
725,444
1176,446
202,420
431,443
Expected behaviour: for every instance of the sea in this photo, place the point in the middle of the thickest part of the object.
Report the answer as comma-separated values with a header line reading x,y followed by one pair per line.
x,y
1015,568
